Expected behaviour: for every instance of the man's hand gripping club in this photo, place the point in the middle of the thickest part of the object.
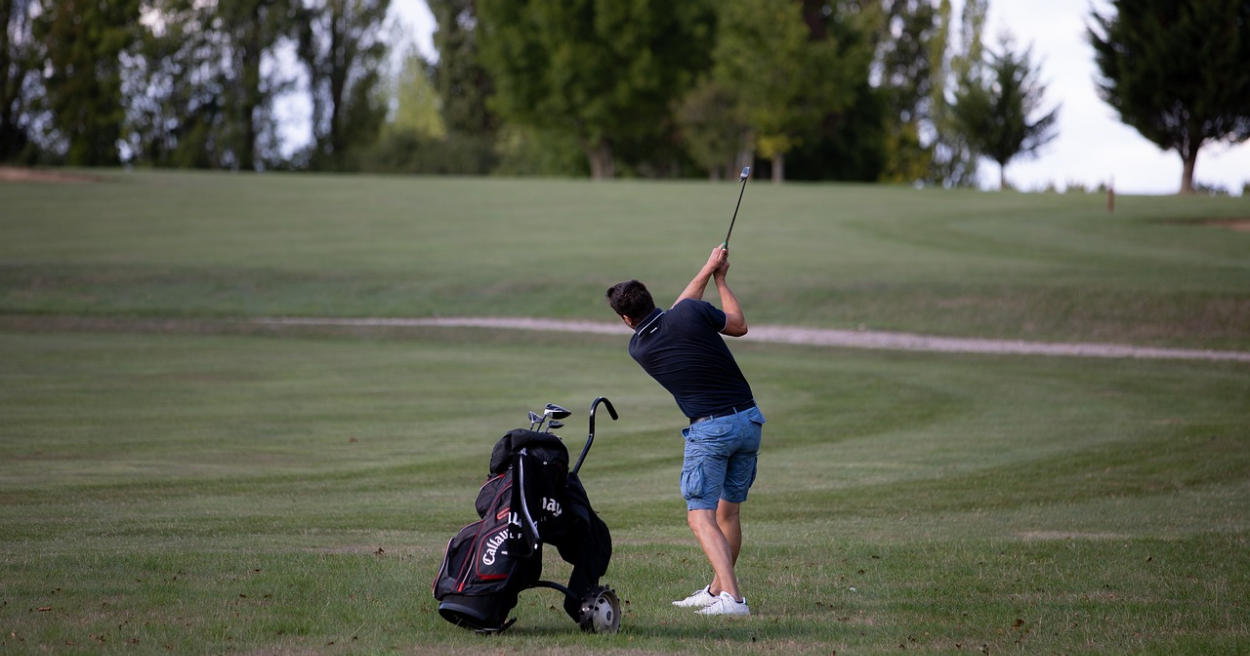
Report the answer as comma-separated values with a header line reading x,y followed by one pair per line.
x,y
717,268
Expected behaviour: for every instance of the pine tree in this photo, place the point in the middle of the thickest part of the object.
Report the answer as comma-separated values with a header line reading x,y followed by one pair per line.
x,y
462,83
996,112
1178,71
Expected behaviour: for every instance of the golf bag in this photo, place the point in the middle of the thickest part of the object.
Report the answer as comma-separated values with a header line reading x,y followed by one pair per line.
x,y
529,498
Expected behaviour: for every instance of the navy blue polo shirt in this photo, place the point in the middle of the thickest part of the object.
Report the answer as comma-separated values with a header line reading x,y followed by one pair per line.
x,y
683,350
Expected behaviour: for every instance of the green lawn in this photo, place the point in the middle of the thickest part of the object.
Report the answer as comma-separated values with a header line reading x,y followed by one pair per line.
x,y
1033,266
211,490
259,494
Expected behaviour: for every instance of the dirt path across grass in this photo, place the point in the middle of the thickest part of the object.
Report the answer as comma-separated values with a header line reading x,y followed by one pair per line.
x,y
866,339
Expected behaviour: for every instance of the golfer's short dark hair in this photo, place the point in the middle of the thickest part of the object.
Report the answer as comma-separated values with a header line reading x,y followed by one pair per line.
x,y
630,299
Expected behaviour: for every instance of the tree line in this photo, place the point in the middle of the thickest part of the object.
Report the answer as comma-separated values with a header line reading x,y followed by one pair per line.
x,y
866,90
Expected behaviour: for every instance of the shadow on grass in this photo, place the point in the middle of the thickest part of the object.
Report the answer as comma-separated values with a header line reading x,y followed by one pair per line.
x,y
741,630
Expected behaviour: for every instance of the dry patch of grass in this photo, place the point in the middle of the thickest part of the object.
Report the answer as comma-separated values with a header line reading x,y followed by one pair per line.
x,y
20,174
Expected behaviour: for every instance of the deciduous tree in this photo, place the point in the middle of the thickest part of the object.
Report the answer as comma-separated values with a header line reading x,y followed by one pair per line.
x,y
713,128
20,56
606,71
789,70
849,142
786,80
955,53
173,83
905,69
83,41
252,30
342,49
197,92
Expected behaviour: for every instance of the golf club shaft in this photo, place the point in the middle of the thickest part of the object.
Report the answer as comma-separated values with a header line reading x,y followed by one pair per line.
x,y
746,172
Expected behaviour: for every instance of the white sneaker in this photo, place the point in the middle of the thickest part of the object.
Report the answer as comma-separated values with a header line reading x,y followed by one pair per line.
x,y
699,599
725,604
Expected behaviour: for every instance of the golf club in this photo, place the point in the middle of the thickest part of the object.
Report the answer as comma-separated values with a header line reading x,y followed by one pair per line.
x,y
552,411
557,412
535,418
554,424
746,173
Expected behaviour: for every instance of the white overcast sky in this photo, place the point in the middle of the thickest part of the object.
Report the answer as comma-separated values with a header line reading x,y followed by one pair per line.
x,y
1092,146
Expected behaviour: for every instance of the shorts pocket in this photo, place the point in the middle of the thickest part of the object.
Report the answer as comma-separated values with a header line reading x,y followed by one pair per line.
x,y
709,430
692,482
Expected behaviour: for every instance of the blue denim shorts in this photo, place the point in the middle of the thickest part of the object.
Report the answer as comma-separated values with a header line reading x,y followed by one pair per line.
x,y
720,459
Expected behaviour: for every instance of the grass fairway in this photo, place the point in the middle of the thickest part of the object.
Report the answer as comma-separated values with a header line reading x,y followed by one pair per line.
x,y
1032,266
253,494
175,491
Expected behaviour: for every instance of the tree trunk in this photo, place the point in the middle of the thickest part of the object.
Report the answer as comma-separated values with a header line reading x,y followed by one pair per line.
x,y
1002,176
7,103
779,168
1187,172
602,166
338,81
250,93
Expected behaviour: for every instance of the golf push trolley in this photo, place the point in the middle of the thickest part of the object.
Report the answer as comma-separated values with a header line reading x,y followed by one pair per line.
x,y
530,497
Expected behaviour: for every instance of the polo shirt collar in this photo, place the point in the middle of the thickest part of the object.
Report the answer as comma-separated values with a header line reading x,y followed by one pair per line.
x,y
655,314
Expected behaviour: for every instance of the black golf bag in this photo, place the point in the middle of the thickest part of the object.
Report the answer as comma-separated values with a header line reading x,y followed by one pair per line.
x,y
530,498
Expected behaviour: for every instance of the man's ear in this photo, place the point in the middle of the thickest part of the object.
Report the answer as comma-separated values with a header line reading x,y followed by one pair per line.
x,y
628,322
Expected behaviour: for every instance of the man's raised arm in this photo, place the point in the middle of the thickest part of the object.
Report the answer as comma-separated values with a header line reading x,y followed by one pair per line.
x,y
699,282
735,320
716,268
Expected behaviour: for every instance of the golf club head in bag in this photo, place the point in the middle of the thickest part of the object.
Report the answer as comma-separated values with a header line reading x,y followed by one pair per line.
x,y
601,611
551,411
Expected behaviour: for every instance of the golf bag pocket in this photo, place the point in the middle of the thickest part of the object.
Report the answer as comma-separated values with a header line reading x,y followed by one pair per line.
x,y
479,580
480,577
477,560
480,558
491,493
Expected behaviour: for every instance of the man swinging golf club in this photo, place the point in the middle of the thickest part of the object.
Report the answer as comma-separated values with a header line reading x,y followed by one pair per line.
x,y
683,350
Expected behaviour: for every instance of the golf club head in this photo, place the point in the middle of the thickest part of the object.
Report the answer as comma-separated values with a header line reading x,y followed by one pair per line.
x,y
534,419
556,412
554,424
746,173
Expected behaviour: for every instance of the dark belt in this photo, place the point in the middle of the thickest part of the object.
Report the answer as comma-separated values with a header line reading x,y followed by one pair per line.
x,y
724,413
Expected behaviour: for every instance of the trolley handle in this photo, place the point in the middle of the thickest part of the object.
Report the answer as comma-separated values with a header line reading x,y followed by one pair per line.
x,y
590,438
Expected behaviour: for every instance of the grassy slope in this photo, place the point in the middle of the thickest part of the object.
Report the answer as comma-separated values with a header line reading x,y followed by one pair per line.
x,y
232,493
960,263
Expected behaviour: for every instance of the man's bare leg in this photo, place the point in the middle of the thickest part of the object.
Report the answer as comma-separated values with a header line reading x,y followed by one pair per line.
x,y
716,546
727,519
